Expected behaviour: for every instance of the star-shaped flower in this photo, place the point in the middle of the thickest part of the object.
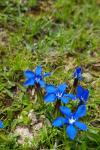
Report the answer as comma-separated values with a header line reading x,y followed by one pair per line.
x,y
35,77
71,120
58,93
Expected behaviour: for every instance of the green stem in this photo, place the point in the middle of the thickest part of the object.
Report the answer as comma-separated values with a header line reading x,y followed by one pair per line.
x,y
56,109
39,93
40,96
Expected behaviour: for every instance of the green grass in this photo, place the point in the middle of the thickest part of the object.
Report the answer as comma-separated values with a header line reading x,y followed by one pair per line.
x,y
59,35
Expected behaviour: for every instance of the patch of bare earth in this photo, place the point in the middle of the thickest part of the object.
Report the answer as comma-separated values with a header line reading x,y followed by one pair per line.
x,y
27,133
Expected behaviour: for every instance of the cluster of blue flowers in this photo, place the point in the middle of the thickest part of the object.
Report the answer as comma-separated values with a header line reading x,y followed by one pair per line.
x,y
68,118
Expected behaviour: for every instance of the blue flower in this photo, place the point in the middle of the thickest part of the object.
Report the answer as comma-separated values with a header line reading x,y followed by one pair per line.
x,y
58,93
35,77
1,124
82,93
78,73
71,120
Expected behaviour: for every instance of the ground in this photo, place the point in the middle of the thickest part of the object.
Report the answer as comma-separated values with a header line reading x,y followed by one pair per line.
x,y
59,35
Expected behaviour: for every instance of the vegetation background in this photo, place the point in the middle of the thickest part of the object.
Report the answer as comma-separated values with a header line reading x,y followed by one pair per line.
x,y
59,35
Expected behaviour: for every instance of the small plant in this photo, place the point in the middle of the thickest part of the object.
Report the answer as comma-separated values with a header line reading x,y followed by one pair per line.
x,y
71,120
61,97
35,78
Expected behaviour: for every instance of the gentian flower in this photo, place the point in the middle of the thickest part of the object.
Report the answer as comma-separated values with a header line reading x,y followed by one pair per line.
x,y
78,73
58,93
35,77
71,120
82,94
1,124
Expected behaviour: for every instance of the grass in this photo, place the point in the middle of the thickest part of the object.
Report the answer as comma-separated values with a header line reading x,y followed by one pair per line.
x,y
59,35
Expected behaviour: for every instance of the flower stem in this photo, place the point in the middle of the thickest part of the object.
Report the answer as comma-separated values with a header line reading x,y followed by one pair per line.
x,y
75,84
56,109
40,97
39,93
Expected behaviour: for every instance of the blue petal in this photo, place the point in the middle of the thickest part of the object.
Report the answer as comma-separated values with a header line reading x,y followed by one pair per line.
x,y
71,96
50,98
79,91
78,73
1,124
38,70
66,111
86,94
79,70
71,131
81,125
29,74
46,74
62,87
29,82
42,83
50,89
59,122
65,99
81,111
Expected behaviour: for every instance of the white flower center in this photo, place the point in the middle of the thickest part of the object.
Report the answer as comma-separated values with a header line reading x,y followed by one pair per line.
x,y
82,98
37,79
59,95
71,120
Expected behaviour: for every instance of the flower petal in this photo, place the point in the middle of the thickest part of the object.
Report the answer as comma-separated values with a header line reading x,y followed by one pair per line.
x,y
59,122
65,99
29,74
66,111
38,70
42,83
71,96
86,94
50,88
71,131
1,124
79,70
46,74
81,111
62,87
29,82
78,73
79,91
81,125
50,98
